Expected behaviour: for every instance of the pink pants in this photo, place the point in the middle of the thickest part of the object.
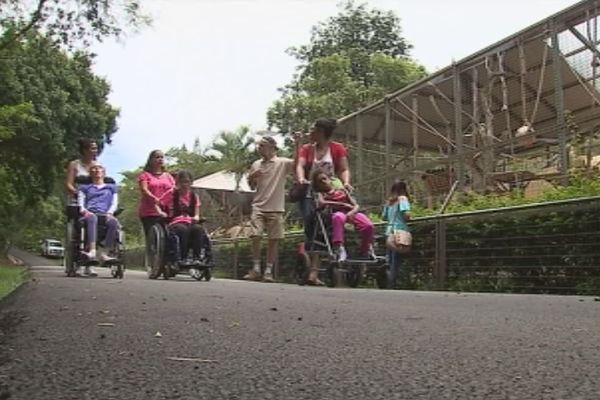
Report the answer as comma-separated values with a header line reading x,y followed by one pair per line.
x,y
361,223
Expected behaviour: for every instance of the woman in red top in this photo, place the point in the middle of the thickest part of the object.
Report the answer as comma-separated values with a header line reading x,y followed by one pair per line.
x,y
181,207
344,208
154,182
324,154
327,155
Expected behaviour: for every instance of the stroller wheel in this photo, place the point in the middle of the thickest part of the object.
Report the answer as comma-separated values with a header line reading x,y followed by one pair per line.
x,y
354,276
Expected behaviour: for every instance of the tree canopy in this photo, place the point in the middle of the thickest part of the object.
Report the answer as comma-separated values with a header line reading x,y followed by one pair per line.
x,y
352,59
69,22
49,98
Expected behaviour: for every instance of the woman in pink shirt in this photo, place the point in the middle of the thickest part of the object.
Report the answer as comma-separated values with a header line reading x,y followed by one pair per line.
x,y
154,182
181,207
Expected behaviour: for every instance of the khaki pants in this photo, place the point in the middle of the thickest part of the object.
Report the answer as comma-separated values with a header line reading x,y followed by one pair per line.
x,y
269,222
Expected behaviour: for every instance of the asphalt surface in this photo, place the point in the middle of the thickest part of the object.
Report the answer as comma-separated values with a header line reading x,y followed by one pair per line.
x,y
99,338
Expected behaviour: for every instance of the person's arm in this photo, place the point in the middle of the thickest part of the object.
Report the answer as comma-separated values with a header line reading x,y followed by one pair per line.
x,y
146,192
385,213
300,167
70,179
81,198
355,207
404,205
344,173
196,216
253,176
114,204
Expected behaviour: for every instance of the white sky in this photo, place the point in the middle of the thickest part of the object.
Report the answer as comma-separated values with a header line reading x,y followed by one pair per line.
x,y
208,65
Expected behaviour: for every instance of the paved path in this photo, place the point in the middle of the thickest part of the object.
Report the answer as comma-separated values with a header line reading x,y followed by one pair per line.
x,y
77,338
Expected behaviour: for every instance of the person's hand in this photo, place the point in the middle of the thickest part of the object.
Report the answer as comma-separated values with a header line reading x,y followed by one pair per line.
x,y
162,214
304,181
297,136
255,174
350,215
195,218
73,191
348,187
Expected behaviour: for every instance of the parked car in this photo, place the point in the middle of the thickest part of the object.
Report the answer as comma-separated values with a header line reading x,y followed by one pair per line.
x,y
52,248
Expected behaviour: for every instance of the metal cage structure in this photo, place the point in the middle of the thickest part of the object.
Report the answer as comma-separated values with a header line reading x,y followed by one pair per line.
x,y
495,120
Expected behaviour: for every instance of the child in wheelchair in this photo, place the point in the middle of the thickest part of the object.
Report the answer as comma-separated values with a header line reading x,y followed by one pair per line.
x,y
98,202
181,209
343,208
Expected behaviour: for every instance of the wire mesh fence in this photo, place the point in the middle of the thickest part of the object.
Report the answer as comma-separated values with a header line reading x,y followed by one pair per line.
x,y
540,248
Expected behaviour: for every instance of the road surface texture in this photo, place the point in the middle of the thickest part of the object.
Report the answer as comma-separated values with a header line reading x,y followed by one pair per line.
x,y
78,338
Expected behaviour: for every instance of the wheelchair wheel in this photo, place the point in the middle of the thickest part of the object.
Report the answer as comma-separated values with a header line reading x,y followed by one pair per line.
x,y
207,274
168,272
69,256
155,249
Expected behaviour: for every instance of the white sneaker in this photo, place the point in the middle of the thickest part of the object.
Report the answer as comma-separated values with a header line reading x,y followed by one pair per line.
x,y
342,255
194,273
90,271
113,269
105,257
81,271
90,255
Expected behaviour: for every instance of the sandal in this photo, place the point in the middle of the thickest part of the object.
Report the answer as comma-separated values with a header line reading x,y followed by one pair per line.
x,y
316,282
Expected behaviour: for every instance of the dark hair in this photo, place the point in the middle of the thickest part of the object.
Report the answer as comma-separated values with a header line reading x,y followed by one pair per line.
x,y
179,208
84,144
152,154
184,174
314,178
326,125
399,188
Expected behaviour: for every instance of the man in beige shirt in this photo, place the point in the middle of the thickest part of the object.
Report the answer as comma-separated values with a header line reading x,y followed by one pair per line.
x,y
267,176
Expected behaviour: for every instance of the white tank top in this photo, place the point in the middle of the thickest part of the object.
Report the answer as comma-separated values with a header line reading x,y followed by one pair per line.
x,y
80,169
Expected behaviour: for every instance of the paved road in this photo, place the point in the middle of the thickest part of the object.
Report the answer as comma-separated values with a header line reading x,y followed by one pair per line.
x,y
270,341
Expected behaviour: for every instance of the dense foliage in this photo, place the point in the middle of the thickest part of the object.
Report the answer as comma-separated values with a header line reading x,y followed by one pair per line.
x,y
49,98
352,58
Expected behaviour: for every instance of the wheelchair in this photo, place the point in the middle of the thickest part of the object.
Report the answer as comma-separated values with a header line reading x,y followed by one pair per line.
x,y
163,255
353,271
75,241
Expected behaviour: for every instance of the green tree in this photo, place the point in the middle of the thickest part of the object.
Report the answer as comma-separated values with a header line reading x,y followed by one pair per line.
x,y
69,22
197,161
48,99
233,151
352,59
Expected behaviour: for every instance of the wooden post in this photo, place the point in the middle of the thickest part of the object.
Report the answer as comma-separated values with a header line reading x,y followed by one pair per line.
x,y
559,103
388,144
360,144
458,133
415,128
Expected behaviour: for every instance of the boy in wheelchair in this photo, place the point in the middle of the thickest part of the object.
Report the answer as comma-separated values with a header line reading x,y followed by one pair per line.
x,y
181,209
97,203
343,208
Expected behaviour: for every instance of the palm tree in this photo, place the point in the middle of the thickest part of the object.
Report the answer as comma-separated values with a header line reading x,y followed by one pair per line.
x,y
235,152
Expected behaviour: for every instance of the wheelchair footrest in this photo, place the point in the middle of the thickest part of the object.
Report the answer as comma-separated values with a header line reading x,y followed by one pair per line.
x,y
109,263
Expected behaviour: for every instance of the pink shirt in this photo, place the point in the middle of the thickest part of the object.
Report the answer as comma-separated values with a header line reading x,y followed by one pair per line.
x,y
166,203
158,185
